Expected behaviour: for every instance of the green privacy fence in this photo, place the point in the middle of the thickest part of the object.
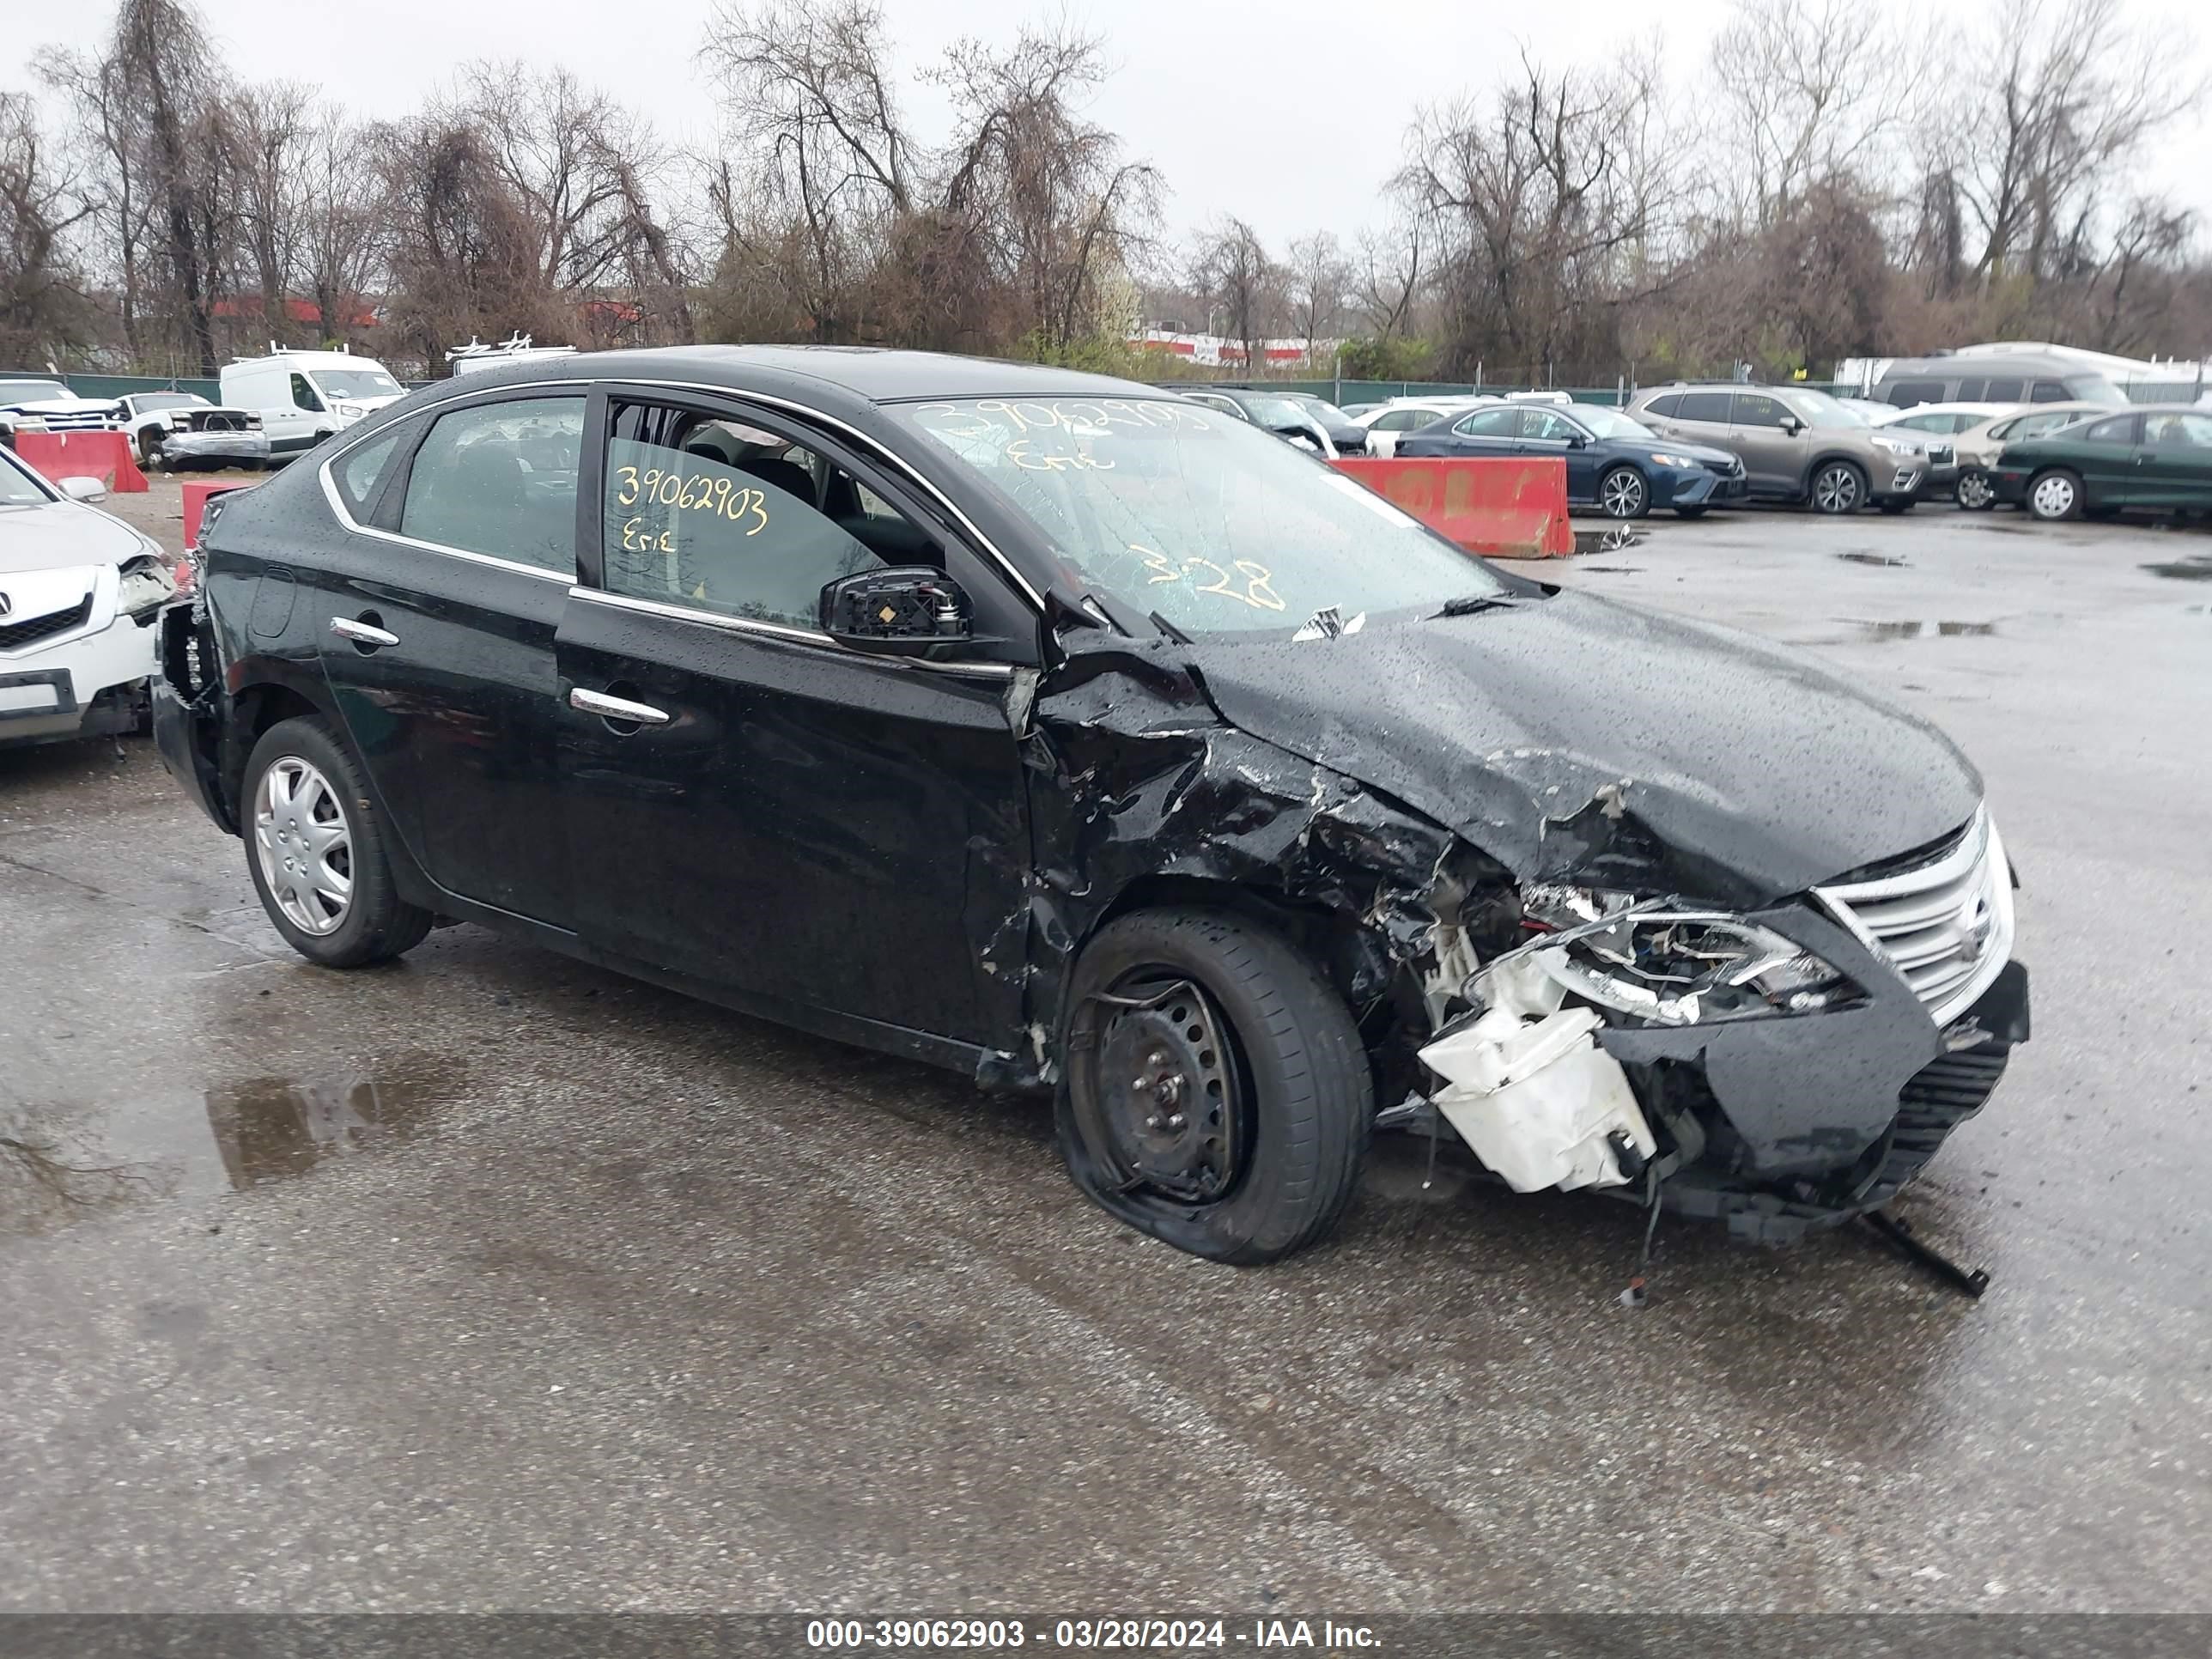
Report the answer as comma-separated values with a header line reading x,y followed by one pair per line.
x,y
122,385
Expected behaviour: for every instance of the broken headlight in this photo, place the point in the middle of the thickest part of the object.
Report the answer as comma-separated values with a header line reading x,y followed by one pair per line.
x,y
1674,966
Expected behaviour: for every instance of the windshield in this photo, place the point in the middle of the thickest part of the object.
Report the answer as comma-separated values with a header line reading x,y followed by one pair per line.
x,y
17,488
1327,412
356,383
1818,409
1611,423
32,392
170,400
1192,515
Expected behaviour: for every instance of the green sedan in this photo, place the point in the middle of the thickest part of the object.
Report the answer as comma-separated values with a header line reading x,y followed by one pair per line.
x,y
2156,458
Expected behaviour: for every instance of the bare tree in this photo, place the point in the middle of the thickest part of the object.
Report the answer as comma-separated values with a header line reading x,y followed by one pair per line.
x,y
1231,267
269,132
1320,288
165,81
1813,92
43,310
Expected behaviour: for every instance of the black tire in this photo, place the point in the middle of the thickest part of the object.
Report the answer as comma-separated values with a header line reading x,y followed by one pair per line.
x,y
1302,1094
1623,493
1897,505
1836,488
2062,500
377,924
1689,512
151,458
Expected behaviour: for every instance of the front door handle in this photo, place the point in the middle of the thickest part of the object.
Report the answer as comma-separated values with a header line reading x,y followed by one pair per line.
x,y
617,708
361,633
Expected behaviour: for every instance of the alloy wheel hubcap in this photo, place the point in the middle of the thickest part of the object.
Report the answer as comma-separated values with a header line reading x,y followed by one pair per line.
x,y
1623,494
304,846
1837,491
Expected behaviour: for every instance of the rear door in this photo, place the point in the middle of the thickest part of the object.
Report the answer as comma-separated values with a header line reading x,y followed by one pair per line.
x,y
1759,431
2173,463
437,639
1495,431
785,820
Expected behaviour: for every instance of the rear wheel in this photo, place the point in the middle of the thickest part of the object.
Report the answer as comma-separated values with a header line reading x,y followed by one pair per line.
x,y
2055,495
1216,1094
1837,487
1976,492
1622,494
151,458
316,848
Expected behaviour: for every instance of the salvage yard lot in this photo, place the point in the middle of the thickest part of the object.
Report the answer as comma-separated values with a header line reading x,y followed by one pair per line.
x,y
491,1280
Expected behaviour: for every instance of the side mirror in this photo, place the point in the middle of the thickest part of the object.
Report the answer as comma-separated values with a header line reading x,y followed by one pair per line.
x,y
1577,440
1792,425
84,490
906,610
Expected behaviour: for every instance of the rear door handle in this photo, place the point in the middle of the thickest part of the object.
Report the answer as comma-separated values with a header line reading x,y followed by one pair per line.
x,y
361,633
616,708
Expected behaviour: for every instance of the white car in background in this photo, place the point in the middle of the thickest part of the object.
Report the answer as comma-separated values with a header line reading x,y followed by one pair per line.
x,y
303,397
1940,421
1387,422
80,594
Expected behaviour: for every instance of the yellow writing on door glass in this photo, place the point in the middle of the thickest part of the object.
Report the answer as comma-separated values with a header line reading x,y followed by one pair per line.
x,y
703,492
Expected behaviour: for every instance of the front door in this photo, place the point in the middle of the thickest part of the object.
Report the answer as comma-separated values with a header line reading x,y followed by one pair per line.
x,y
1760,431
1543,432
2173,463
436,633
764,811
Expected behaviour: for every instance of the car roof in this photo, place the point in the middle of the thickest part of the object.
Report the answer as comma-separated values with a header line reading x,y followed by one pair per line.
x,y
863,374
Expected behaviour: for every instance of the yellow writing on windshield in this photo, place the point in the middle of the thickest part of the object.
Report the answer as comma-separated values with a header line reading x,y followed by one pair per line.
x,y
1258,593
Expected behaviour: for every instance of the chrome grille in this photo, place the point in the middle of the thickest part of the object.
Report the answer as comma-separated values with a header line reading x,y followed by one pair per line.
x,y
1945,925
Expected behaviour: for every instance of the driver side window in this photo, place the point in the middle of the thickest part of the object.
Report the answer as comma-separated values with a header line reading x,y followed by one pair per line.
x,y
713,514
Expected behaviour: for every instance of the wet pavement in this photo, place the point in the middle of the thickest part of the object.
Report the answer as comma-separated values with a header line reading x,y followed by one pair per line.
x,y
491,1280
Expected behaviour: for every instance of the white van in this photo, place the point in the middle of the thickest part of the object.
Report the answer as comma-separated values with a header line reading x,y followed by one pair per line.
x,y
303,397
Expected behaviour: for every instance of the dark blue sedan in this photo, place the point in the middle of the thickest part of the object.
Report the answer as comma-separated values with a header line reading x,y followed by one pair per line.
x,y
1614,464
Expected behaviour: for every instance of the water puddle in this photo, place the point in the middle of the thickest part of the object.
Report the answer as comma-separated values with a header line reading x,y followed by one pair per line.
x,y
1611,539
2197,568
59,1165
1882,559
1924,630
1616,569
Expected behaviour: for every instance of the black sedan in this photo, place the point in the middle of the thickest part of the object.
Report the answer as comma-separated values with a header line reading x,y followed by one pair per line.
x,y
1102,747
1614,463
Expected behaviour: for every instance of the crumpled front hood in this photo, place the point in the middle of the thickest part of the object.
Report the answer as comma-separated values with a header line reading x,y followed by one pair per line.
x,y
60,535
1575,735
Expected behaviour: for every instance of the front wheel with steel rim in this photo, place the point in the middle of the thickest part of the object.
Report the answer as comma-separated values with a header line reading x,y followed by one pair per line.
x,y
316,850
2055,495
1839,487
1976,493
1215,1093
1622,494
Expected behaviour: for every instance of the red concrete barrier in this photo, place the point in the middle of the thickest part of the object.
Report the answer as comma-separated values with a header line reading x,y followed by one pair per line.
x,y
1512,505
196,500
102,455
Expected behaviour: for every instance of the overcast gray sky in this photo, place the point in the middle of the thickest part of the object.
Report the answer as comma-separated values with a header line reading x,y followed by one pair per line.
x,y
1290,112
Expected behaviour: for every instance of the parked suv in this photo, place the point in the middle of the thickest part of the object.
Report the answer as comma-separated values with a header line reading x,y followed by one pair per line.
x,y
1797,444
1095,744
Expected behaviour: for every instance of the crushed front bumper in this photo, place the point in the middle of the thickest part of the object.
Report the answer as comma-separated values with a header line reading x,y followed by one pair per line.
x,y
89,684
224,448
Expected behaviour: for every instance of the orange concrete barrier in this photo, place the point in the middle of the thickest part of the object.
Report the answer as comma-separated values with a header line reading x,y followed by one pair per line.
x,y
196,500
102,455
1511,505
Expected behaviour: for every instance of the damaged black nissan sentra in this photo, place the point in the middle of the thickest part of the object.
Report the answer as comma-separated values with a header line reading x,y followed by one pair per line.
x,y
1062,731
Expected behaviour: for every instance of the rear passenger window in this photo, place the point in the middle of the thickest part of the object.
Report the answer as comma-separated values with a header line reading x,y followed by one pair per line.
x,y
361,471
2003,392
1665,408
2120,429
500,479
1910,394
1712,406
2048,391
714,515
1969,391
